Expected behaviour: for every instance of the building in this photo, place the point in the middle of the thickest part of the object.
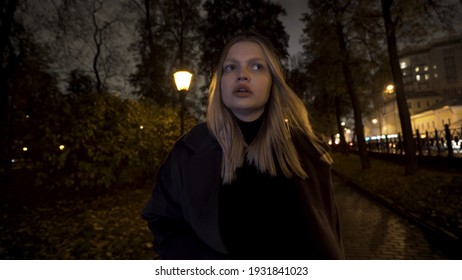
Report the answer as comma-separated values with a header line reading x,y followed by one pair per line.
x,y
432,78
437,116
436,68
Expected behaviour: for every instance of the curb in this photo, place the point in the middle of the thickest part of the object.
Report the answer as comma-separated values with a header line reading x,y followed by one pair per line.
x,y
441,233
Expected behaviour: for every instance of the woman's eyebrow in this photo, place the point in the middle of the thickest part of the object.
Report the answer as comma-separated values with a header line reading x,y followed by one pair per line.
x,y
253,59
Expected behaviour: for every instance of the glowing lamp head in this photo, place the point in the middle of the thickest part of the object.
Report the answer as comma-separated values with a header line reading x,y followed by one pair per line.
x,y
390,88
182,80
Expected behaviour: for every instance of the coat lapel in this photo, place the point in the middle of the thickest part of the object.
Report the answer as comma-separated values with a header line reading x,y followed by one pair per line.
x,y
202,181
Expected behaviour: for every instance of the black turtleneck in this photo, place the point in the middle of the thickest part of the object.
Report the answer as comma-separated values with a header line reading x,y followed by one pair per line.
x,y
250,129
259,214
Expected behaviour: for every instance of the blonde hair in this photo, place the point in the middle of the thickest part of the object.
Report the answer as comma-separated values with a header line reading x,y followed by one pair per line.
x,y
285,112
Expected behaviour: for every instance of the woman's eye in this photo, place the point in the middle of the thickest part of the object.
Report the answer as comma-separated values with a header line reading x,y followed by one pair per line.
x,y
257,66
229,67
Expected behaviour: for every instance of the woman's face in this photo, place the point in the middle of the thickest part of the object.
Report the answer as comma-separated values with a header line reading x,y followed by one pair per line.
x,y
246,81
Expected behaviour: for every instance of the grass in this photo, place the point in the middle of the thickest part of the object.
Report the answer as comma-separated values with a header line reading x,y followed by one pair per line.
x,y
433,196
103,226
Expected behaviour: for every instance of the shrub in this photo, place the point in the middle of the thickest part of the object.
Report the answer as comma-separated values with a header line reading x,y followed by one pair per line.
x,y
105,141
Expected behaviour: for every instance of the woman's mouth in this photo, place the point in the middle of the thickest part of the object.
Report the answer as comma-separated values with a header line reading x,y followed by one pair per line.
x,y
242,91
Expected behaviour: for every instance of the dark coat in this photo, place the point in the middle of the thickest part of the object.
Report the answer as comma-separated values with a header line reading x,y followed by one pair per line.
x,y
183,209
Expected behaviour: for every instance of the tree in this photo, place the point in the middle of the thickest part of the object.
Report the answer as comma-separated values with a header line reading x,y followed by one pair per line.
x,y
226,18
339,10
168,42
330,47
296,77
404,115
28,84
151,75
321,70
391,25
90,35
80,83
8,9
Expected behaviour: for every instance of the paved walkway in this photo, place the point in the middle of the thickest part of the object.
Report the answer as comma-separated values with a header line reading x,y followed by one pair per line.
x,y
372,231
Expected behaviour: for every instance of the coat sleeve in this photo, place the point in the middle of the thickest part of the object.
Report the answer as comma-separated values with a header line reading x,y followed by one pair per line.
x,y
174,237
321,208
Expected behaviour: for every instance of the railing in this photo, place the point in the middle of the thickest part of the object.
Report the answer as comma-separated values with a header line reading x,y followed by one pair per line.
x,y
447,142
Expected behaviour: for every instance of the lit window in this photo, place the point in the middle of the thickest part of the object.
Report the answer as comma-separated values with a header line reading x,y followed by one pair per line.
x,y
427,76
434,66
417,69
436,75
403,64
425,68
417,77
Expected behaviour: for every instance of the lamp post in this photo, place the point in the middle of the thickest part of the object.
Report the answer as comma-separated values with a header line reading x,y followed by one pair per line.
x,y
182,82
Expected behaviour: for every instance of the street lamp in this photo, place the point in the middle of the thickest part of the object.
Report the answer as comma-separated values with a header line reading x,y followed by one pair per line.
x,y
390,89
182,82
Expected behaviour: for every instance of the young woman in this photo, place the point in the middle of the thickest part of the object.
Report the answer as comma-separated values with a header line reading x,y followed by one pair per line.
x,y
253,181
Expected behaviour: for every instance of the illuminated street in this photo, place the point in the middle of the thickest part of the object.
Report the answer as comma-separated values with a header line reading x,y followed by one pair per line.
x,y
372,231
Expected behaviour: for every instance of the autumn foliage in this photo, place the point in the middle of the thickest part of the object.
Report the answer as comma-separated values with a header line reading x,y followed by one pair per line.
x,y
96,141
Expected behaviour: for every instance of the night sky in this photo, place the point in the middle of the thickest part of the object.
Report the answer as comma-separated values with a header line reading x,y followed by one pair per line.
x,y
294,27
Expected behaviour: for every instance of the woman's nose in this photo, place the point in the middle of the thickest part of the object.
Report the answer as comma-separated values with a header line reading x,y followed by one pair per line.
x,y
242,78
243,75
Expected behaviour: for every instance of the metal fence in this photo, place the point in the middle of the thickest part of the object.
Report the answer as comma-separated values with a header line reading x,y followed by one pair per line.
x,y
445,142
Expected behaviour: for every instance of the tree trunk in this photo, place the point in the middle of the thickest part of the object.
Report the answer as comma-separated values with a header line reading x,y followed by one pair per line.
x,y
97,38
404,116
359,128
343,144
7,15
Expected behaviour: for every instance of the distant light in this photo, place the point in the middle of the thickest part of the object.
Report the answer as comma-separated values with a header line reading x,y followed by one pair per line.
x,y
13,160
348,131
141,127
330,142
61,147
27,116
24,149
342,123
390,88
